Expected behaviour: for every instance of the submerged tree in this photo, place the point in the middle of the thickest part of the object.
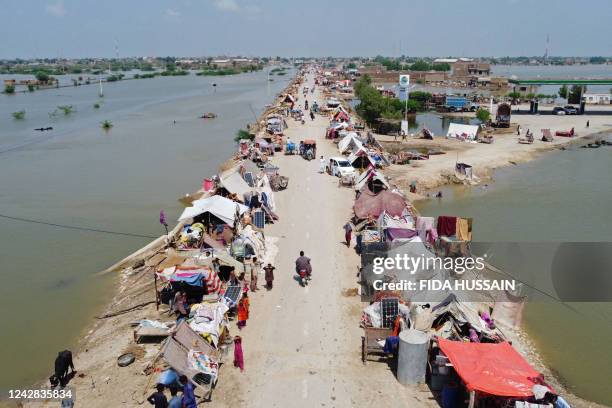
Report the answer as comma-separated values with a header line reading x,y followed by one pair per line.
x,y
19,115
67,109
107,125
9,89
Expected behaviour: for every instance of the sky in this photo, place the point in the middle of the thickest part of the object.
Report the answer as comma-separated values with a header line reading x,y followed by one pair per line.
x,y
105,28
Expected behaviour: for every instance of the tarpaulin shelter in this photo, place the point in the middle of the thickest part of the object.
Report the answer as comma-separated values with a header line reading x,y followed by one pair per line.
x,y
461,131
350,142
233,182
221,207
192,276
361,159
370,204
374,179
491,368
341,116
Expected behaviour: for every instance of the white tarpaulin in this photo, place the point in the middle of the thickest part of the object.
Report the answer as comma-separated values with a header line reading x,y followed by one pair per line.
x,y
350,141
234,183
220,207
375,175
461,131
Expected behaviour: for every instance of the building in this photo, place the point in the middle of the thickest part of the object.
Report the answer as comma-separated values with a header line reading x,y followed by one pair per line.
x,y
597,99
466,70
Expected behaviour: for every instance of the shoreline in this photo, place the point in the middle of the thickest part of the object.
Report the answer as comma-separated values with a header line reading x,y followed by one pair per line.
x,y
128,286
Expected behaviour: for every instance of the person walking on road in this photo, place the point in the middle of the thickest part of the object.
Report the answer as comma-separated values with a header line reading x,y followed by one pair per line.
x,y
348,230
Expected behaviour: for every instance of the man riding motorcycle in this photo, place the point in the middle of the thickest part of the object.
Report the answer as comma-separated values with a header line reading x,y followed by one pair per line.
x,y
303,268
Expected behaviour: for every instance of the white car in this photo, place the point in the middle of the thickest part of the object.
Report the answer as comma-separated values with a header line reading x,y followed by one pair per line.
x,y
341,167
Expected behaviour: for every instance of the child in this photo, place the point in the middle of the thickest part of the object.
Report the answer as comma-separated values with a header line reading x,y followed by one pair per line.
x,y
269,269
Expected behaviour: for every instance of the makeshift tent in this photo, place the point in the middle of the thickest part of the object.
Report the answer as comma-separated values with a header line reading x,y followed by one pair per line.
x,y
492,368
233,182
350,142
374,179
370,204
461,131
221,207
289,98
360,159
192,276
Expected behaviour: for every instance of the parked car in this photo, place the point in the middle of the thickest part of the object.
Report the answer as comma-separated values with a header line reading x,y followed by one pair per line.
x,y
570,110
341,167
557,110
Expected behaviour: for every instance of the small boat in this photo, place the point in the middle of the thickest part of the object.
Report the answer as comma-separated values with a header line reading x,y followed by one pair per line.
x,y
208,115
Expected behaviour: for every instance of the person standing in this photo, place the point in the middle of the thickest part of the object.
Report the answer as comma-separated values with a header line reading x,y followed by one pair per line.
x,y
312,116
269,269
254,273
322,165
243,310
348,230
158,399
189,400
588,123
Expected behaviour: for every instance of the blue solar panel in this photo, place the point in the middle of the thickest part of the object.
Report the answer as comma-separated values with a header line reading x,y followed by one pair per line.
x,y
259,219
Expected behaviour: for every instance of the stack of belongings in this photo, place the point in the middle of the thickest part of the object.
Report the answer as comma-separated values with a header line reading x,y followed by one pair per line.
x,y
209,320
195,280
334,129
451,318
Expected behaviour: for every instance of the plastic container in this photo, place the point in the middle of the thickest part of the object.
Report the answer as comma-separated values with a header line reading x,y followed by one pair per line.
x,y
207,184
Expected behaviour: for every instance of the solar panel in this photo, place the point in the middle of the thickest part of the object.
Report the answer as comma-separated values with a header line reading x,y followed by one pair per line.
x,y
259,219
233,293
390,309
248,177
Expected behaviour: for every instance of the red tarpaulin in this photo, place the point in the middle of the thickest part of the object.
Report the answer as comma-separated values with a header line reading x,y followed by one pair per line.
x,y
372,204
492,368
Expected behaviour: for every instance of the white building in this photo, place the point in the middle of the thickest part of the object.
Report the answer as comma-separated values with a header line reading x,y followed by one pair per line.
x,y
596,99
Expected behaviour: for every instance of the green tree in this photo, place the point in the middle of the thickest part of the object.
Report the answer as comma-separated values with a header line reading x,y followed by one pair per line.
x,y
351,65
42,76
514,95
106,125
242,135
9,89
575,93
563,91
483,115
445,67
420,65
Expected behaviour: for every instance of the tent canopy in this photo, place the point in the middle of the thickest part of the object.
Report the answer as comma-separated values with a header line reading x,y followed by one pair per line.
x,y
221,207
492,368
349,141
370,204
459,130
371,174
234,183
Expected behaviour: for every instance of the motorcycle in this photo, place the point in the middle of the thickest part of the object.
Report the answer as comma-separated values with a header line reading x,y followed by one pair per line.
x,y
304,278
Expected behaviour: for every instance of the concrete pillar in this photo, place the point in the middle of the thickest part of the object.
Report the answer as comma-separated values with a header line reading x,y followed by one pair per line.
x,y
412,356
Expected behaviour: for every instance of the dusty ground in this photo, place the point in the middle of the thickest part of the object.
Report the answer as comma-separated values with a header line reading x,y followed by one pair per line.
x,y
303,344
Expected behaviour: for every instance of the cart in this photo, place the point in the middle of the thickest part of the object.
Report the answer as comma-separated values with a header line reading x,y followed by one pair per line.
x,y
309,149
369,341
290,148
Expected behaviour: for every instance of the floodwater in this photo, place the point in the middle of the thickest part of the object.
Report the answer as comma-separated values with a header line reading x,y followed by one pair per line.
x,y
561,197
80,175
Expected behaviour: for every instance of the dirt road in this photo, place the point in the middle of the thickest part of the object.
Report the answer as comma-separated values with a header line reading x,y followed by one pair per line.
x,y
302,345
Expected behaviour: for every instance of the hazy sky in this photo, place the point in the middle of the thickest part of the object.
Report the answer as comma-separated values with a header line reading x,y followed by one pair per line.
x,y
74,28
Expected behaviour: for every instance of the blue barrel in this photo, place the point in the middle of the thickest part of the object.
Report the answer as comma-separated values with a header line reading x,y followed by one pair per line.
x,y
449,396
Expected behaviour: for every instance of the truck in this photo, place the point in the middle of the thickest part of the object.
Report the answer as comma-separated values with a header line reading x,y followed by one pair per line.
x,y
459,104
